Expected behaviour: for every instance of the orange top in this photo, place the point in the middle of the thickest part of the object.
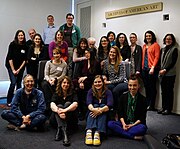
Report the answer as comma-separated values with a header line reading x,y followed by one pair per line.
x,y
153,54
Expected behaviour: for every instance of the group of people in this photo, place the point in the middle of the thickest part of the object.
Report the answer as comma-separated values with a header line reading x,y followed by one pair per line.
x,y
81,81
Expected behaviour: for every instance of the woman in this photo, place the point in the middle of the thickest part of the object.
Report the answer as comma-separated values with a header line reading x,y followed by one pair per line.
x,y
115,70
103,49
167,73
64,103
15,63
61,44
136,55
112,37
83,81
36,53
122,44
99,101
54,70
78,53
150,58
131,112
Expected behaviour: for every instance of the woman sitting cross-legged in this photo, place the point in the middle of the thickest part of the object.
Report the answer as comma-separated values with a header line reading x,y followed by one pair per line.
x,y
99,101
64,104
132,112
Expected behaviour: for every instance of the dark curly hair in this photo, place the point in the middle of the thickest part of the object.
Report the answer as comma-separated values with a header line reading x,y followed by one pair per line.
x,y
153,37
59,89
173,39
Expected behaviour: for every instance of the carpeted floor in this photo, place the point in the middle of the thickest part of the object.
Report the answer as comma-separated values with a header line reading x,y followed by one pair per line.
x,y
158,127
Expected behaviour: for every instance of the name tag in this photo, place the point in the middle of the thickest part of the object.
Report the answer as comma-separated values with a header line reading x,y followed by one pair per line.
x,y
59,68
22,51
33,58
73,31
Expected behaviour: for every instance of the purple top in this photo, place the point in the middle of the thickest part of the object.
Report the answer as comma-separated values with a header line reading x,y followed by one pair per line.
x,y
107,99
63,47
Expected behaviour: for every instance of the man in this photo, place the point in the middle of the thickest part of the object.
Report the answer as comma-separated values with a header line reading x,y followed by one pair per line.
x,y
49,31
72,33
28,107
72,36
31,33
136,54
131,113
91,44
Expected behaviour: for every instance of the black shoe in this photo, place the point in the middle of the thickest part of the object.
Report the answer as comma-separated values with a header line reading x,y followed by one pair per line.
x,y
66,141
149,108
160,111
58,135
166,112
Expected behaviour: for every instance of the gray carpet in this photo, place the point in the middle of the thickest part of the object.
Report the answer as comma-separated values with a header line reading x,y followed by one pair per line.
x,y
158,126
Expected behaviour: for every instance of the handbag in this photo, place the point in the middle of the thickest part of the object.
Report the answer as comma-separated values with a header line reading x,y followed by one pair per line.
x,y
172,141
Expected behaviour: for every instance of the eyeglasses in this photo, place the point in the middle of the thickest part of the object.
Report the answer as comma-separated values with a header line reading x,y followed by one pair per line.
x,y
103,40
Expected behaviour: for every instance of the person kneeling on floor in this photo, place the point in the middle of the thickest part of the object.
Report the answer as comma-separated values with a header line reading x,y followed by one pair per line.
x,y
132,111
27,109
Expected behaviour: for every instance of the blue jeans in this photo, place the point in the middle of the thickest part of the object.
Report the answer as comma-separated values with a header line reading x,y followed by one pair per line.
x,y
12,118
15,81
98,123
137,130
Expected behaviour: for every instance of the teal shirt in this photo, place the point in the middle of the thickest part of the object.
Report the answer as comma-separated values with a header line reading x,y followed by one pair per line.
x,y
76,34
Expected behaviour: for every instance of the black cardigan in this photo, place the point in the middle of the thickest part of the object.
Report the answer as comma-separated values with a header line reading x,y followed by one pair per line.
x,y
140,111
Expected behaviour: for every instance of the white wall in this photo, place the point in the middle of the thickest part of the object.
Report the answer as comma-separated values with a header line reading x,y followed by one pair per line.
x,y
139,24
25,14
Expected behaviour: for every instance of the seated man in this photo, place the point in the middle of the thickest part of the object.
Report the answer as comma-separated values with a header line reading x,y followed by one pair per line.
x,y
131,112
28,107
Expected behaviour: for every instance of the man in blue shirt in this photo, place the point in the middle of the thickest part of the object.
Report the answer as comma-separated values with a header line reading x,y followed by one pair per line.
x,y
28,107
49,31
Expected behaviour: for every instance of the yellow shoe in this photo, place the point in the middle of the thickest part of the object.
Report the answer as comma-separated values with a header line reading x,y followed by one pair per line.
x,y
96,140
88,139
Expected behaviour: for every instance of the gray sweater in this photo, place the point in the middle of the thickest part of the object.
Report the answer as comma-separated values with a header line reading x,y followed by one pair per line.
x,y
53,71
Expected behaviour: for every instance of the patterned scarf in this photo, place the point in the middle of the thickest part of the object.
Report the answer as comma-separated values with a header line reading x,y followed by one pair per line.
x,y
131,108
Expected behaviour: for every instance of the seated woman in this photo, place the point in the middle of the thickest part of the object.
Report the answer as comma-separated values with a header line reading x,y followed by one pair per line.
x,y
99,101
36,53
27,109
115,70
61,44
78,53
84,76
64,103
131,112
54,70
103,49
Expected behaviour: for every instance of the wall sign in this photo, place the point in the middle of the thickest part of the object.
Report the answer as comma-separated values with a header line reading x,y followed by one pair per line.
x,y
134,10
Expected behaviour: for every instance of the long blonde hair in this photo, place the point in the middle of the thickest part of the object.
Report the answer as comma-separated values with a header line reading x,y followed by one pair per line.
x,y
118,58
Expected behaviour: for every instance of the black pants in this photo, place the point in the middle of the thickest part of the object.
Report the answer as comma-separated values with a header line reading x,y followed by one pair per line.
x,y
150,86
167,92
70,121
48,91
